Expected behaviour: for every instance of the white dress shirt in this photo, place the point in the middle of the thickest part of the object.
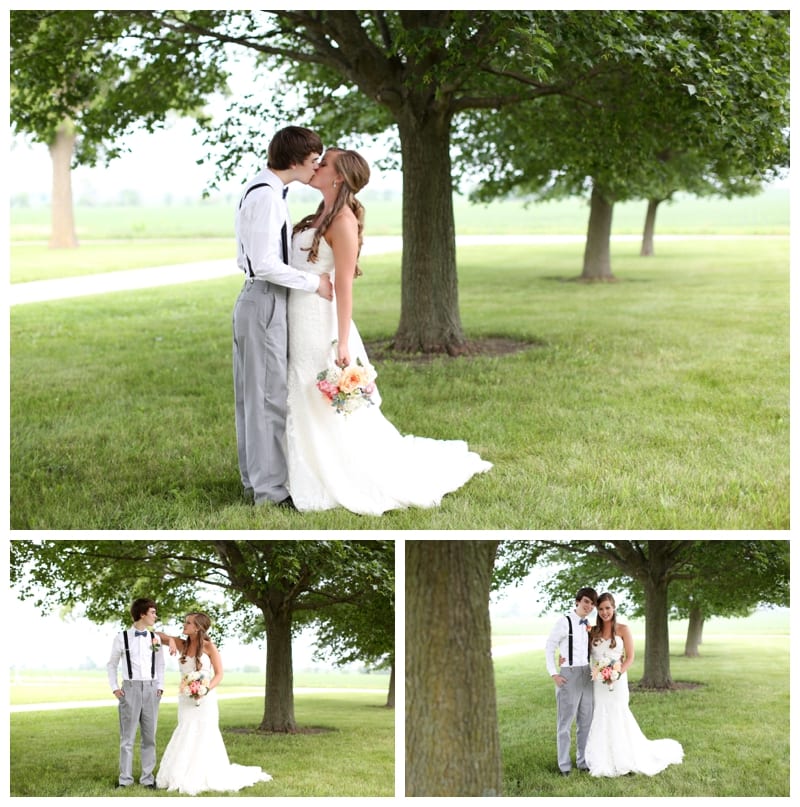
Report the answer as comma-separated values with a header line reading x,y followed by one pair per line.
x,y
258,235
141,660
559,640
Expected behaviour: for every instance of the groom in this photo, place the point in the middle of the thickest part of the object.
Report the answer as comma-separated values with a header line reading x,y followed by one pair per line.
x,y
140,692
260,339
574,701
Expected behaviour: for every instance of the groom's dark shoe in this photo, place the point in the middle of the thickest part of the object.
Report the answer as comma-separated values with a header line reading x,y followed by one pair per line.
x,y
287,503
565,773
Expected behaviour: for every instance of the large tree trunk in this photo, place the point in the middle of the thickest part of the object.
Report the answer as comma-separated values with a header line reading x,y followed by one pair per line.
x,y
452,736
597,254
62,220
694,634
429,315
656,650
390,695
279,691
649,228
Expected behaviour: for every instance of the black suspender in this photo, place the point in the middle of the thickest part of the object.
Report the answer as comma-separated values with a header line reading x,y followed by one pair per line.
x,y
569,622
128,658
128,653
284,232
588,649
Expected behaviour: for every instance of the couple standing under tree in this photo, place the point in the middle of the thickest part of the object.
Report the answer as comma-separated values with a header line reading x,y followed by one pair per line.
x,y
592,690
298,445
195,759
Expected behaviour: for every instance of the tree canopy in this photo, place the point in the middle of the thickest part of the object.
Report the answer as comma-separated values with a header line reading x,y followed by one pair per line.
x,y
662,578
262,588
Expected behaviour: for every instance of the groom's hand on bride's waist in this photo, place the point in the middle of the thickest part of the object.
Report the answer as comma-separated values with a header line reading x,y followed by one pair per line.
x,y
325,288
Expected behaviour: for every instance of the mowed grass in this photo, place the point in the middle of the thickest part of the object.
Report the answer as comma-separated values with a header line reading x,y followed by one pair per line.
x,y
733,725
349,753
114,238
58,686
657,402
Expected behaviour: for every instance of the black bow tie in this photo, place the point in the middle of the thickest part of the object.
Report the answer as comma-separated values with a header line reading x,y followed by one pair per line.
x,y
140,632
584,622
285,191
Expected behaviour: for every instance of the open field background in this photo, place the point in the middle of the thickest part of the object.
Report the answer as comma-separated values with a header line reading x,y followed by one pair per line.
x,y
658,402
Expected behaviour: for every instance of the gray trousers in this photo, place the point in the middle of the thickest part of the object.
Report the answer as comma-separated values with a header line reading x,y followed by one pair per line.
x,y
260,349
138,709
574,702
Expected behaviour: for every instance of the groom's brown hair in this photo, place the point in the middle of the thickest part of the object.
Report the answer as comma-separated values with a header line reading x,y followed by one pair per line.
x,y
292,145
141,606
586,592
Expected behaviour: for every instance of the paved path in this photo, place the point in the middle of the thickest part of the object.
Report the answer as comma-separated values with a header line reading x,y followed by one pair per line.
x,y
53,707
124,280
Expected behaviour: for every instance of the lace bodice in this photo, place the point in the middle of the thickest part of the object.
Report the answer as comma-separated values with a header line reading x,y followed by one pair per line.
x,y
301,243
601,649
189,664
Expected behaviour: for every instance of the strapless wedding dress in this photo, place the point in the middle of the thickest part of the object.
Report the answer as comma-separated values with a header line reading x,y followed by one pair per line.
x,y
359,461
195,759
616,745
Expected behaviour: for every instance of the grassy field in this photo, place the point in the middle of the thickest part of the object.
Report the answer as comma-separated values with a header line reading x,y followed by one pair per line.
x,y
658,402
734,729
767,213
62,686
114,238
74,752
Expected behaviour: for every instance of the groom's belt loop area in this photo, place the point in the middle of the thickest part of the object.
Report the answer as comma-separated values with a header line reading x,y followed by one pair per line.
x,y
264,286
146,683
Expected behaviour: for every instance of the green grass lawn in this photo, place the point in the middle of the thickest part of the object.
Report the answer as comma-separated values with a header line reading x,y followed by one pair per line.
x,y
733,725
75,752
767,213
658,402
58,686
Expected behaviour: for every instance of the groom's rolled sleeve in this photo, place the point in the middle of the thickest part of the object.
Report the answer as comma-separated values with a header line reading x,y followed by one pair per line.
x,y
553,643
112,666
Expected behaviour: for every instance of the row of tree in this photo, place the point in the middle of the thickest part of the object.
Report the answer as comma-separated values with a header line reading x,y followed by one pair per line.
x,y
452,745
346,588
262,591
614,104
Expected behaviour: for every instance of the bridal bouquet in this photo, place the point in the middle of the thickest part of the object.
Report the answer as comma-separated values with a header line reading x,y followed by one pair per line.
x,y
606,671
348,388
195,685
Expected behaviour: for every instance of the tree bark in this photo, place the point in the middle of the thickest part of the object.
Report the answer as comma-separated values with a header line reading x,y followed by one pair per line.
x,y
452,736
649,228
279,690
429,317
657,673
694,634
390,695
62,219
597,254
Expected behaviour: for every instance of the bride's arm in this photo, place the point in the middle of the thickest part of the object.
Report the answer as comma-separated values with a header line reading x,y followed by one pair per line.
x,y
627,638
175,643
216,663
342,235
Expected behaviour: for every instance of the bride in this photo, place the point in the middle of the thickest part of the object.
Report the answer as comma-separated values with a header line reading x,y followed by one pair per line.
x,y
195,759
337,457
616,745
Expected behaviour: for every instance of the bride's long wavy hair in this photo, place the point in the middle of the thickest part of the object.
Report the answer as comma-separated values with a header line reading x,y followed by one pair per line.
x,y
355,175
202,622
597,630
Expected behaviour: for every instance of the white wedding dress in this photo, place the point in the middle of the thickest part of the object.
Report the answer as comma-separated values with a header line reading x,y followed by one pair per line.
x,y
616,745
195,759
359,461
